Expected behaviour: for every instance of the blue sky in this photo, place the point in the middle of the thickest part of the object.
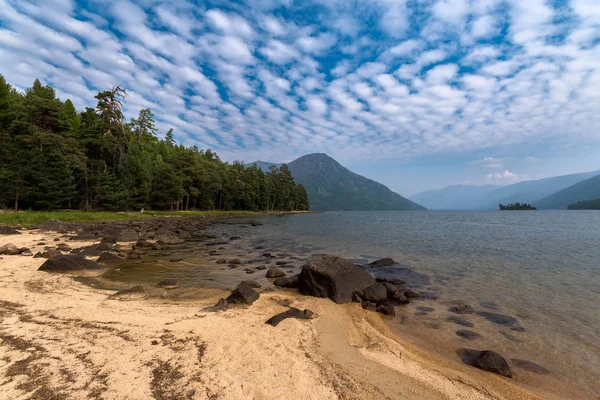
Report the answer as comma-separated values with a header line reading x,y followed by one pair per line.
x,y
417,94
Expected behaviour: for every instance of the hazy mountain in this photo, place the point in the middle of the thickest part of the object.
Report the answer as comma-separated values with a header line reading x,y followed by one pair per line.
x,y
454,197
487,197
588,189
264,165
331,187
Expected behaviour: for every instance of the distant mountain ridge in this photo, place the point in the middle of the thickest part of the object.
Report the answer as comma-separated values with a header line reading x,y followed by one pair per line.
x,y
470,197
332,187
588,189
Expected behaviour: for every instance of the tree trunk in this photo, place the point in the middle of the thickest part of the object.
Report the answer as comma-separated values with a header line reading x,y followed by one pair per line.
x,y
187,202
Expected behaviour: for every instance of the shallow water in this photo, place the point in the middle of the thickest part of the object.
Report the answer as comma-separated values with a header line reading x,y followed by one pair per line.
x,y
541,268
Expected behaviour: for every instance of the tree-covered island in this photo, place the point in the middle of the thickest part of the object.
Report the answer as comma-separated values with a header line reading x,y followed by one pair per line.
x,y
516,206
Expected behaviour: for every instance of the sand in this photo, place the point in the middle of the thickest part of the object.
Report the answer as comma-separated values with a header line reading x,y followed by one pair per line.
x,y
60,338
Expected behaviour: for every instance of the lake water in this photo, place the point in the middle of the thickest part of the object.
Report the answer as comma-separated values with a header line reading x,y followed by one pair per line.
x,y
541,268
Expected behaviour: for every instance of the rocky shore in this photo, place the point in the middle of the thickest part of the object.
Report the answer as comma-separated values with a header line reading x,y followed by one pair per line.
x,y
290,326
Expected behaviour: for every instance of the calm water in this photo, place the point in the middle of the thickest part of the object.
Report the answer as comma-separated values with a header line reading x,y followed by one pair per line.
x,y
542,268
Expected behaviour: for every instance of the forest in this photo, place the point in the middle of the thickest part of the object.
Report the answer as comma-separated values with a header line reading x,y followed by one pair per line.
x,y
516,206
53,157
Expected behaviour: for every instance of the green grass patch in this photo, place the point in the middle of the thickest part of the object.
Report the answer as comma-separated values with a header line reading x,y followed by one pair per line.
x,y
31,218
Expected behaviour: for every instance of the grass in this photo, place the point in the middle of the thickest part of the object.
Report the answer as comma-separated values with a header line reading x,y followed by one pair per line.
x,y
31,218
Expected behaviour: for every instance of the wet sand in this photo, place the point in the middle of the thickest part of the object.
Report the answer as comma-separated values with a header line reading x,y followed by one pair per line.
x,y
61,338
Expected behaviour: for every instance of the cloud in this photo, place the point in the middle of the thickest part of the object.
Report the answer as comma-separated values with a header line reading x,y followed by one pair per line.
x,y
503,176
489,162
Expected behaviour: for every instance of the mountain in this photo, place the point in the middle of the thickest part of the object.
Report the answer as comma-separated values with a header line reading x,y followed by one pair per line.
x,y
487,197
454,197
264,165
588,189
585,205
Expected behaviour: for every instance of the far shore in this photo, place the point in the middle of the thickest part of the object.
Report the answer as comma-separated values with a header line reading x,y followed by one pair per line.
x,y
61,338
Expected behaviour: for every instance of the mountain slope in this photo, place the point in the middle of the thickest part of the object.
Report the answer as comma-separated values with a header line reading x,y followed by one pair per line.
x,y
330,186
264,165
454,197
464,197
585,190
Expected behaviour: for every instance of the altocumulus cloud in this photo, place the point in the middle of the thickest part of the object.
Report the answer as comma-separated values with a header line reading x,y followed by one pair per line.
x,y
274,80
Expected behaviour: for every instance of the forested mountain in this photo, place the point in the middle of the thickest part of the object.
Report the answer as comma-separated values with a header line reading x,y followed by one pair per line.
x,y
588,189
263,165
467,197
585,205
330,186
54,157
454,197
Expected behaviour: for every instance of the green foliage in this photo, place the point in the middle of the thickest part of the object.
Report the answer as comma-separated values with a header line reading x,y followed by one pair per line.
x,y
53,157
516,206
586,205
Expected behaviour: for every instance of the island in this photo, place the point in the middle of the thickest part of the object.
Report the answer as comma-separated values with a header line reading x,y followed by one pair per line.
x,y
585,205
516,206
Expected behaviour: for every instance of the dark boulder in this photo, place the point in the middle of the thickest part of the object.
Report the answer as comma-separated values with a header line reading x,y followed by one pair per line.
x,y
235,261
221,261
287,282
108,257
9,250
128,235
142,244
66,263
383,262
168,284
266,254
8,230
177,259
291,313
235,237
391,289
38,255
387,309
252,284
333,277
243,294
52,225
486,360
399,298
88,251
51,253
134,293
393,281
275,273
410,294
367,305
375,293
168,238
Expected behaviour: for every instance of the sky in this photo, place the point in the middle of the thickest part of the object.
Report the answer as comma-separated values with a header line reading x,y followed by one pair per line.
x,y
416,94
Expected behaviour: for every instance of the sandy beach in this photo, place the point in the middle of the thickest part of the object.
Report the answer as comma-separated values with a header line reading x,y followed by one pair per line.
x,y
60,338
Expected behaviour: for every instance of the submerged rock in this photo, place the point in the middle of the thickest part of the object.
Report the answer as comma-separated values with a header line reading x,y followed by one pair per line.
x,y
133,293
375,293
467,334
291,313
71,262
499,319
530,366
410,294
275,273
243,294
461,309
460,321
486,360
333,277
168,284
383,262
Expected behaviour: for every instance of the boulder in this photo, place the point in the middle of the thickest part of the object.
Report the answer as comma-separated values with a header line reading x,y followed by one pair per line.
x,y
221,261
169,238
411,294
168,284
88,251
266,254
52,225
108,257
142,244
133,293
486,360
391,289
127,235
9,250
291,313
375,293
235,261
287,282
280,263
461,309
243,294
333,277
252,284
387,309
399,298
51,253
38,255
8,230
275,273
367,305
66,263
383,262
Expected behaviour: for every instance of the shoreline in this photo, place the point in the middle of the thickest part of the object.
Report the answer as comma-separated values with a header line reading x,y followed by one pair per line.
x,y
170,347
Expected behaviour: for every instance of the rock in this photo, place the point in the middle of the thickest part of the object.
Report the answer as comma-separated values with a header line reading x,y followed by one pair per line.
x,y
486,360
333,277
104,247
217,243
63,247
411,294
142,244
291,313
52,225
266,254
383,262
168,238
461,309
530,366
128,235
467,334
375,293
133,293
9,250
88,251
499,319
108,257
280,263
429,296
108,240
460,321
243,294
176,259
51,253
399,298
275,273
57,239
391,289
393,281
66,263
221,261
356,297
252,284
259,248
287,282
367,305
8,230
261,267
235,261
168,284
387,309
234,237
510,337
38,255
220,306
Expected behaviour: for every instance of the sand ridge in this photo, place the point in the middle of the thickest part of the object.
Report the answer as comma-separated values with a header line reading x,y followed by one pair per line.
x,y
61,339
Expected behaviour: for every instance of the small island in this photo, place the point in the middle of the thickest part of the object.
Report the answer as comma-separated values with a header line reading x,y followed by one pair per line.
x,y
585,205
516,206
